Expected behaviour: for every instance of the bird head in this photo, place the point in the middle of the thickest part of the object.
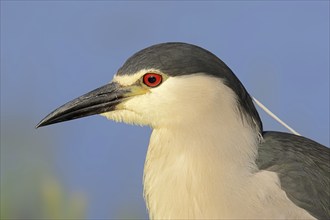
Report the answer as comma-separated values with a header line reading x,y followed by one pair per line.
x,y
163,85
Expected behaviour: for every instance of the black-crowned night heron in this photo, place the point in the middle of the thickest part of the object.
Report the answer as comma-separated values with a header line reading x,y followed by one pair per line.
x,y
208,156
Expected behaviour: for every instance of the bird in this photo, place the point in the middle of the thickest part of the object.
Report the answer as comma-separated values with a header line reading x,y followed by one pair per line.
x,y
208,155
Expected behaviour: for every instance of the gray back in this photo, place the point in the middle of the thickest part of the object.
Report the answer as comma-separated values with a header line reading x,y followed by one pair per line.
x,y
303,167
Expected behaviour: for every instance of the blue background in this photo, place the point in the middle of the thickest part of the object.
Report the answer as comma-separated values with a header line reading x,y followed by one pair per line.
x,y
54,51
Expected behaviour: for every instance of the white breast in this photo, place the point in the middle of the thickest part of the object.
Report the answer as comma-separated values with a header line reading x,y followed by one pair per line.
x,y
187,180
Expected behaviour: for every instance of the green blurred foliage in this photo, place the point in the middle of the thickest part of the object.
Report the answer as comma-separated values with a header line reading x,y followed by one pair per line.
x,y
59,205
28,186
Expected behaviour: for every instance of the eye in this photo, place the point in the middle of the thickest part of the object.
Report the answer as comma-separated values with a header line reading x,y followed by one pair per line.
x,y
152,79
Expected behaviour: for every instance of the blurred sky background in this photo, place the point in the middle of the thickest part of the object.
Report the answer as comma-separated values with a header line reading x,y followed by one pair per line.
x,y
54,51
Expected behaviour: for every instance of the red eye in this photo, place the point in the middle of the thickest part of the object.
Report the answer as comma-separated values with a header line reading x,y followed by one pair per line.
x,y
152,79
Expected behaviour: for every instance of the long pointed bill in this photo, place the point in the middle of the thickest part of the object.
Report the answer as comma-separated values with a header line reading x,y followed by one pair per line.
x,y
98,101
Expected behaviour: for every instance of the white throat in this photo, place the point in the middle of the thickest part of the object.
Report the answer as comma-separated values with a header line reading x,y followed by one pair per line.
x,y
194,166
203,173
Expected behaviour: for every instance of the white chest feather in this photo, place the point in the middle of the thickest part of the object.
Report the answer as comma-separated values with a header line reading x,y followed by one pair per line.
x,y
203,176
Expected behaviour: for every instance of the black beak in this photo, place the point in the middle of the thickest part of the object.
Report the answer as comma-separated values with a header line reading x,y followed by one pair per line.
x,y
103,99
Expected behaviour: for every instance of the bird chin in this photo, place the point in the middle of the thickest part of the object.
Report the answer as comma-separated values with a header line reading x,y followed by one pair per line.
x,y
126,116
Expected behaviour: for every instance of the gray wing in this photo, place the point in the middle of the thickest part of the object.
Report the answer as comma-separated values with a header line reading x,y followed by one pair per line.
x,y
303,167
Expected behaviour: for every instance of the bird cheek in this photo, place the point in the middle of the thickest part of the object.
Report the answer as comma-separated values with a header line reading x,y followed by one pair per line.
x,y
125,116
140,109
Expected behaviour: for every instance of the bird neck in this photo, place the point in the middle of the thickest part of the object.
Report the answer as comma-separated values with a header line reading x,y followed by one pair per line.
x,y
190,168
